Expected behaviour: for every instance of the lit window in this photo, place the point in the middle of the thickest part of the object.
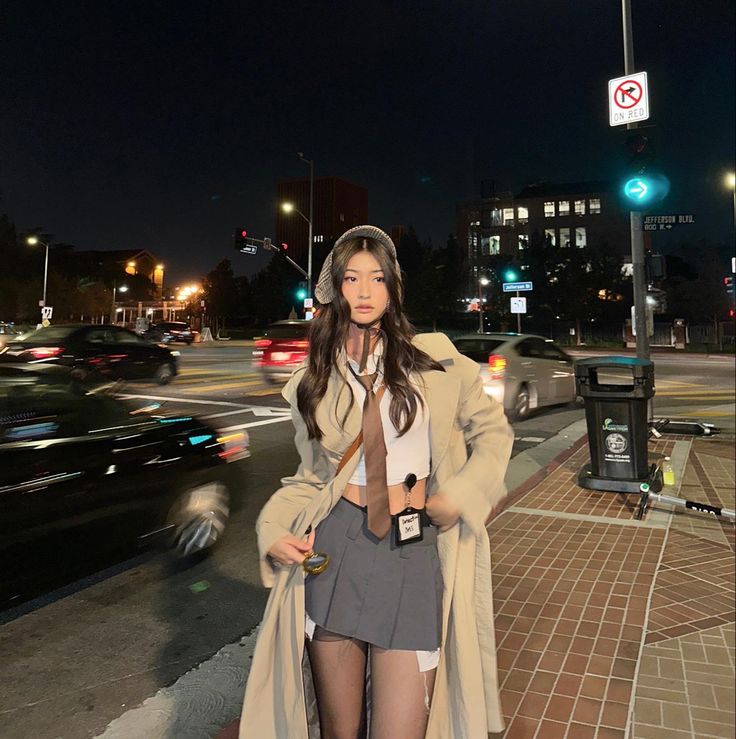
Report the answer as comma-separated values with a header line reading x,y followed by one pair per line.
x,y
594,206
579,207
522,214
549,210
549,236
496,217
524,267
342,217
523,242
580,238
564,237
563,208
490,245
508,216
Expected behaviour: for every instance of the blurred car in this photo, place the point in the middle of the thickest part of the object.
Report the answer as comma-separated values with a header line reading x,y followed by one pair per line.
x,y
8,332
521,371
106,351
82,473
282,347
169,332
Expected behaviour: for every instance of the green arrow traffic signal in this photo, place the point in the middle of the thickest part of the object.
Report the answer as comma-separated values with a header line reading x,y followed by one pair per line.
x,y
643,190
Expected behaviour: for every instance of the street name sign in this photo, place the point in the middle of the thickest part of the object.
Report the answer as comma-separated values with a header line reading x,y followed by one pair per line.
x,y
668,221
517,287
518,305
628,99
249,249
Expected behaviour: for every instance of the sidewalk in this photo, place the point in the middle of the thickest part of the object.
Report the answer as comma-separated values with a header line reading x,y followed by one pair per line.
x,y
608,627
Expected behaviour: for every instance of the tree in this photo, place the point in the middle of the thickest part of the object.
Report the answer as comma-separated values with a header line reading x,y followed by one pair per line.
x,y
220,293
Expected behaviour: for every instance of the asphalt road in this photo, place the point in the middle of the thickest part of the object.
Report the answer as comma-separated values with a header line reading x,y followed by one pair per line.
x,y
76,659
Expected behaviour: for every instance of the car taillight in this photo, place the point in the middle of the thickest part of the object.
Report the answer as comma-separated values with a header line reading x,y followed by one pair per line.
x,y
45,352
263,342
301,344
234,446
496,365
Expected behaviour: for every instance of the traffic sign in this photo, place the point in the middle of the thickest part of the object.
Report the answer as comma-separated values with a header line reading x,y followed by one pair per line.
x,y
668,221
47,312
628,99
308,302
517,287
518,305
249,249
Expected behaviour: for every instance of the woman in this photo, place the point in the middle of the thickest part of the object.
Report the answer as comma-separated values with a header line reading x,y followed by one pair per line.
x,y
406,595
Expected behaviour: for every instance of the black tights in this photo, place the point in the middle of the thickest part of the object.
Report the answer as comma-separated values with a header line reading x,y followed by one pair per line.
x,y
400,694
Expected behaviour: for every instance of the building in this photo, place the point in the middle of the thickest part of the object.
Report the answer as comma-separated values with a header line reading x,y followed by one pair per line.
x,y
571,215
338,206
109,266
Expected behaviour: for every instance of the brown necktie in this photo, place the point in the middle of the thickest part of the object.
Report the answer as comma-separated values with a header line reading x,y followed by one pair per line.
x,y
374,449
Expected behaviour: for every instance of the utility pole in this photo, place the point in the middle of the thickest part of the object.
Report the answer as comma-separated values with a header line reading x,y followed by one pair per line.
x,y
635,216
310,162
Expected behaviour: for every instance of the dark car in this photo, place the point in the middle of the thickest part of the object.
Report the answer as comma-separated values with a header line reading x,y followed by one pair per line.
x,y
82,473
169,332
282,347
100,350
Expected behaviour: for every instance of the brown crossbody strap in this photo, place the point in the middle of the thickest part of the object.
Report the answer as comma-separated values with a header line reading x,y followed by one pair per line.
x,y
358,439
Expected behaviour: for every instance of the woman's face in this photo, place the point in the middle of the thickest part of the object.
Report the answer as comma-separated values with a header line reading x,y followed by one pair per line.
x,y
364,288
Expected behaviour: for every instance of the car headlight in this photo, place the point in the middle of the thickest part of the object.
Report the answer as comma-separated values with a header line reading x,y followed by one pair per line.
x,y
175,353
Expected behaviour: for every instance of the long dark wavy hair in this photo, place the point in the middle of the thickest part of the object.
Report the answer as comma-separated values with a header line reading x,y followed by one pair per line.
x,y
328,335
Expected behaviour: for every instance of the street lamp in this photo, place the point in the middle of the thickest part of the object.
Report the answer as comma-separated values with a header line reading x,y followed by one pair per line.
x,y
310,162
291,208
482,282
115,289
32,241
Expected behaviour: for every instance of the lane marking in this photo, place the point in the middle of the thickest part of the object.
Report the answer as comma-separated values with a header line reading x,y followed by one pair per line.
x,y
531,439
182,400
222,386
252,424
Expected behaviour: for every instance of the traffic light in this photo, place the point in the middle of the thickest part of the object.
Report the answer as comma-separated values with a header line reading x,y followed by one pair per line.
x,y
301,291
240,238
510,275
643,185
728,284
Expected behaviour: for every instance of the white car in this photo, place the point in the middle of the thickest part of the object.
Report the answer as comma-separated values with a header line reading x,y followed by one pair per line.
x,y
521,371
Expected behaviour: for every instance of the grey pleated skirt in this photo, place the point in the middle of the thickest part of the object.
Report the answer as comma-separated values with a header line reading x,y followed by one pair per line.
x,y
374,590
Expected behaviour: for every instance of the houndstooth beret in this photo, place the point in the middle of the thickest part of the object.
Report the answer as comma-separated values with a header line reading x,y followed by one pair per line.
x,y
324,292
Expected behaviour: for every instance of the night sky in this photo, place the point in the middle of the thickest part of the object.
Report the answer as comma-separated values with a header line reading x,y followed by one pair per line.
x,y
164,125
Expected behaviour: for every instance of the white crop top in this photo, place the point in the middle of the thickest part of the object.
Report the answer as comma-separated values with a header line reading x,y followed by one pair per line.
x,y
405,454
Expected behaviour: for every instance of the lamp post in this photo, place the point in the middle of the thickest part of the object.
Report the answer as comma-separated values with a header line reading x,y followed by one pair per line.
x,y
310,162
32,241
291,208
730,181
115,288
482,281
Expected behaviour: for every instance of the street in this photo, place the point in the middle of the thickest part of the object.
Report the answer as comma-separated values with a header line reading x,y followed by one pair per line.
x,y
75,660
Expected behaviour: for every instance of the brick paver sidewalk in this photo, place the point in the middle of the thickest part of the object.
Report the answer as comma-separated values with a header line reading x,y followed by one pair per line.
x,y
610,627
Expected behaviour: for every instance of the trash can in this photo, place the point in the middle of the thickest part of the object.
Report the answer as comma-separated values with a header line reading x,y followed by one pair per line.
x,y
618,428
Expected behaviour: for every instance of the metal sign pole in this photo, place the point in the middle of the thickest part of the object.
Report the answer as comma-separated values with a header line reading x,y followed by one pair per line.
x,y
518,318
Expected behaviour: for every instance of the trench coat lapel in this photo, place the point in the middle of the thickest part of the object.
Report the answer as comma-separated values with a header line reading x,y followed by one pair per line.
x,y
442,393
331,411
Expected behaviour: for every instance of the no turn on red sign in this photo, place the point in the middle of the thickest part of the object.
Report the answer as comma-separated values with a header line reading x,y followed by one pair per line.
x,y
628,99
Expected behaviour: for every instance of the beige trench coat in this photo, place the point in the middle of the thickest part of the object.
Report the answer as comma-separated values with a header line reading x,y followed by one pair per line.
x,y
465,704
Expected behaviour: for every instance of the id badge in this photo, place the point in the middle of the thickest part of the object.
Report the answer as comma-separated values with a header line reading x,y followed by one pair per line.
x,y
408,526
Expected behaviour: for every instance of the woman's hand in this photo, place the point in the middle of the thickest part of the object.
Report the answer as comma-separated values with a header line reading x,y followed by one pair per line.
x,y
288,550
442,511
